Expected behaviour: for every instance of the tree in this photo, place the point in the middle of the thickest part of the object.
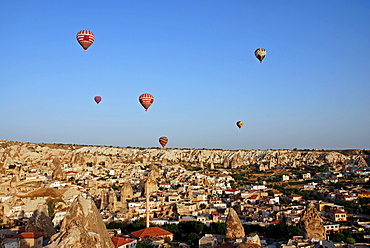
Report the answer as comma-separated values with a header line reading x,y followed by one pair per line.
x,y
192,226
337,237
144,244
192,238
217,228
167,240
172,228
115,187
350,240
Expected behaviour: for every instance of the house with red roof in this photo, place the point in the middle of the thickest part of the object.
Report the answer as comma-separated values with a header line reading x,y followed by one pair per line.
x,y
121,242
254,198
154,235
30,239
338,215
364,194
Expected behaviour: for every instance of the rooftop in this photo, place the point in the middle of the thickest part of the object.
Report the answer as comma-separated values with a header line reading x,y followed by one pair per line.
x,y
151,232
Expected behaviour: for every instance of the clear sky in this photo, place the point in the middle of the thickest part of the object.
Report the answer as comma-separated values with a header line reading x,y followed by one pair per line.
x,y
196,57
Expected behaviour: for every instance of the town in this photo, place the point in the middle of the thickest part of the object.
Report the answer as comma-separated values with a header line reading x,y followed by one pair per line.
x,y
176,187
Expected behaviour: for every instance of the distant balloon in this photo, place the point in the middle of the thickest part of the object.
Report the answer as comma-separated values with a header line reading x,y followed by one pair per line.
x,y
85,38
146,100
163,141
97,99
239,124
260,54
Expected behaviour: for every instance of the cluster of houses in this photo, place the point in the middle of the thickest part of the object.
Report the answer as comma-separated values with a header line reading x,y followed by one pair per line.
x,y
180,195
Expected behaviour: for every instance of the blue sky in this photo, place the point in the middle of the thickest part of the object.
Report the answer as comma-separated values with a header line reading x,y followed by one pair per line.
x,y
196,59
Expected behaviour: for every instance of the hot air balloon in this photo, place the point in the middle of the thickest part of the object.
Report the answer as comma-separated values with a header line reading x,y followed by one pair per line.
x,y
85,38
97,99
146,100
260,54
239,124
163,141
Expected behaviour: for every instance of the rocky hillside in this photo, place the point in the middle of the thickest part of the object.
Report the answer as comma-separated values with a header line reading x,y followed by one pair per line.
x,y
51,155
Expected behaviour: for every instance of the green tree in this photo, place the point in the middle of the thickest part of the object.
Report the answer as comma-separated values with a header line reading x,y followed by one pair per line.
x,y
167,240
172,228
350,240
221,210
217,228
115,187
144,244
140,224
192,226
337,237
51,205
192,238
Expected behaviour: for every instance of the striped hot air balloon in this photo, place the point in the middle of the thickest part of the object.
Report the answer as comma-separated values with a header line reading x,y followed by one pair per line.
x,y
239,124
163,141
146,100
260,54
85,38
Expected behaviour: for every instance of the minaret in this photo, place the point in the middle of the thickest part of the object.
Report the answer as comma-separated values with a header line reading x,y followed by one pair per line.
x,y
147,194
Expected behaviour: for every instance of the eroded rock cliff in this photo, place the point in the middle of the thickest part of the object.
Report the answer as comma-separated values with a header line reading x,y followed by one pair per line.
x,y
82,227
54,156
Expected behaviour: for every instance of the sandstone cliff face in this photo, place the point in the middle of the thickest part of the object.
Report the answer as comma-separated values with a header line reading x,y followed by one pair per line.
x,y
29,154
82,227
41,223
234,228
312,224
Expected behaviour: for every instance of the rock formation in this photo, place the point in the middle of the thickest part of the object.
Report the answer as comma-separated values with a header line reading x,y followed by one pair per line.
x,y
168,211
41,223
151,184
126,192
31,154
234,228
82,227
112,201
58,173
251,241
312,224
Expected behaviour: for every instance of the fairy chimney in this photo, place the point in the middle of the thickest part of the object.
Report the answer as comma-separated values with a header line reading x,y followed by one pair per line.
x,y
312,224
58,173
234,227
41,223
126,192
82,227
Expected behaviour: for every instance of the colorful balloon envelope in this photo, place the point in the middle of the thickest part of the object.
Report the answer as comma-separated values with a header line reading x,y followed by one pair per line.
x,y
85,38
146,100
97,99
163,141
239,124
260,54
